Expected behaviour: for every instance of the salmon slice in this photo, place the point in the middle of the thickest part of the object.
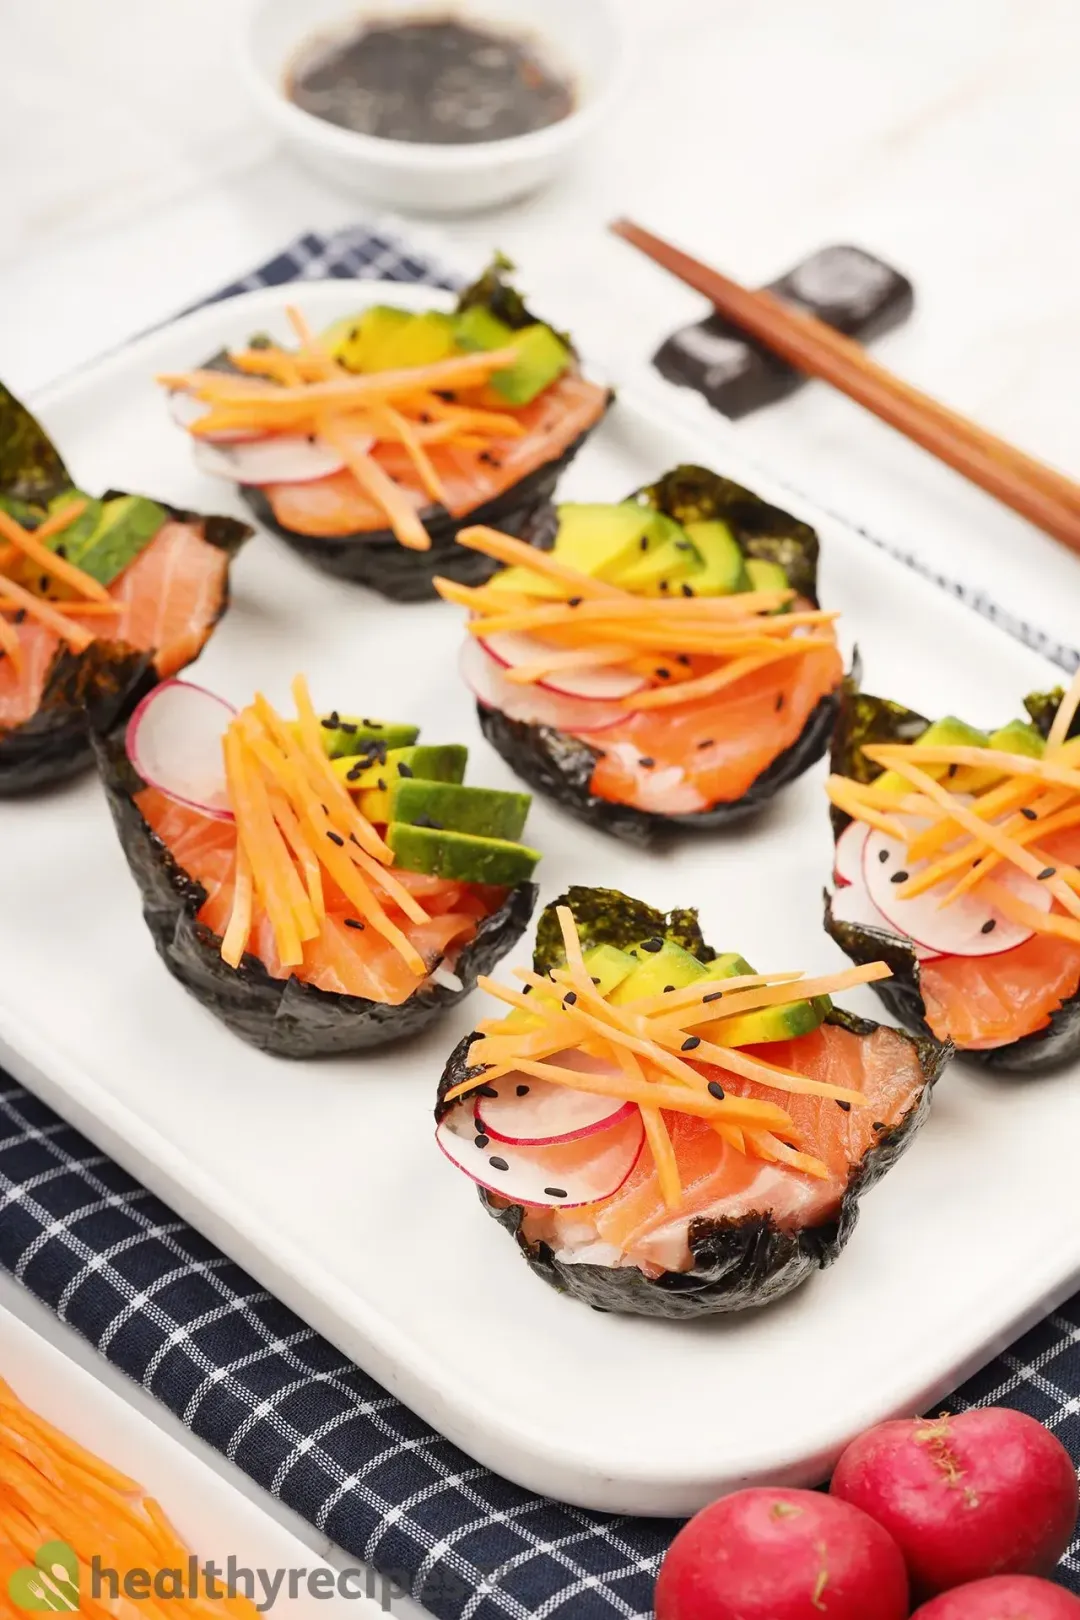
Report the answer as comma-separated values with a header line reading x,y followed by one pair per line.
x,y
343,960
635,1227
337,506
170,598
711,752
981,1002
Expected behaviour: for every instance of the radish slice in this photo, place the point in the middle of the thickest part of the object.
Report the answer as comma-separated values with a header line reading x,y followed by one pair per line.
x,y
532,705
969,926
528,1110
186,410
852,903
283,458
174,742
583,1171
512,650
847,861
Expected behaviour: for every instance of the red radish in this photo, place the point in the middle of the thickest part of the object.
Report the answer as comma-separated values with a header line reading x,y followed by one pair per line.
x,y
174,741
186,410
852,903
967,926
526,1110
513,651
1005,1597
989,1492
532,705
554,1176
283,458
847,860
782,1555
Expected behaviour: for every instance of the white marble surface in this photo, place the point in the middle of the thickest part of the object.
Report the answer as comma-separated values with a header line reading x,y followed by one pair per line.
x,y
943,134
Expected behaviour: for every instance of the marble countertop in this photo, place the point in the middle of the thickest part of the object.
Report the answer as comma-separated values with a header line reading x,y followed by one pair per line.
x,y
941,134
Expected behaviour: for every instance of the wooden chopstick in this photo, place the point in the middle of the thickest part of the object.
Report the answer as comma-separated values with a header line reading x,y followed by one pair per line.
x,y
1039,493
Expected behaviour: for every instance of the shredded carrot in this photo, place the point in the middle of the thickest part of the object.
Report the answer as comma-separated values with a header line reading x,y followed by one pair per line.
x,y
237,934
48,561
52,1489
38,608
400,511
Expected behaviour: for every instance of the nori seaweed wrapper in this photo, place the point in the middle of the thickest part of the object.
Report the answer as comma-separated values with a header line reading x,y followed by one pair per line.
x,y
284,1017
737,1263
377,559
865,719
561,766
54,743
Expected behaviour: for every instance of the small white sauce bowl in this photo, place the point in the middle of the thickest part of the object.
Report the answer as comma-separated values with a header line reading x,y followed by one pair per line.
x,y
582,38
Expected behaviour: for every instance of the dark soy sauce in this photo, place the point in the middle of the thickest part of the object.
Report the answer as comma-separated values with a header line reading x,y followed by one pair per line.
x,y
435,80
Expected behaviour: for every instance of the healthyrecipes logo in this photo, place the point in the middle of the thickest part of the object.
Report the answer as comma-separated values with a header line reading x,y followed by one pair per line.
x,y
52,1583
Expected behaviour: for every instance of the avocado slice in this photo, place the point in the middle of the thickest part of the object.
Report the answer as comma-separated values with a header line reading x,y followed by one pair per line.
x,y
659,963
1019,737
355,340
606,965
763,575
724,569
542,355
459,856
438,762
448,805
780,1023
603,540
527,582
948,732
672,558
109,535
346,736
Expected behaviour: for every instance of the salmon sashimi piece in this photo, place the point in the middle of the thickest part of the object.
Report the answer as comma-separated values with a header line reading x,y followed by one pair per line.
x,y
337,506
635,1227
343,960
712,751
170,598
21,690
981,1002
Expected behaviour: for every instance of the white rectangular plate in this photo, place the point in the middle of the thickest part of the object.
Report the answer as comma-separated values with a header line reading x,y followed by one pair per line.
x,y
323,1178
212,1519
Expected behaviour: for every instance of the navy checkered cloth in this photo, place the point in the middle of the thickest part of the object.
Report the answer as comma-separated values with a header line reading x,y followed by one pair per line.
x,y
249,1378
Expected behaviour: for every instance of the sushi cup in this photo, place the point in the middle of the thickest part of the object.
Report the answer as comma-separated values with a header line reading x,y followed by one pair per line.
x,y
280,1014
296,481
563,758
729,1260
971,978
53,689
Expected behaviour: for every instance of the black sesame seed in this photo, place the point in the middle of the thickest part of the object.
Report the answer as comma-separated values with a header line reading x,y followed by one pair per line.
x,y
522,1091
683,659
682,545
779,702
652,945
713,995
570,998
404,770
325,810
349,727
668,988
482,1141
555,1192
846,1106
716,1090
879,1125
988,926
354,922
486,1091
663,674
596,981
498,1164
900,877
526,989
883,856
446,394
380,783
646,762
373,725
424,417
687,590
1029,814
706,742
354,840
20,617
664,585
1047,872
332,721
335,838
574,601
354,334
952,770
643,543
690,1042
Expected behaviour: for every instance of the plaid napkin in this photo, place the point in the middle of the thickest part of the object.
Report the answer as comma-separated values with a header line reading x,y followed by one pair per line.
x,y
248,1377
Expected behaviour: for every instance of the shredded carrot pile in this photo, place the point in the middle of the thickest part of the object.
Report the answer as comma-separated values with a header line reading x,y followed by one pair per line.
x,y
295,822
51,573
52,1490
685,647
648,1040
961,842
306,391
